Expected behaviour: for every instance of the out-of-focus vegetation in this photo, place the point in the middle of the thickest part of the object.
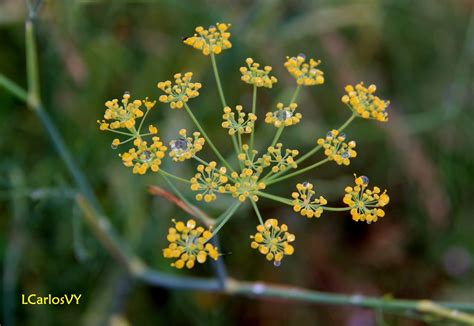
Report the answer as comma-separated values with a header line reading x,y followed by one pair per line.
x,y
420,55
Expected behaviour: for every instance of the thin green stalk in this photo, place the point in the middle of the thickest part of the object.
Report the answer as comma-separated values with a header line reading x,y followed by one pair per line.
x,y
336,209
348,121
198,125
227,215
34,97
175,176
254,110
13,88
257,211
143,120
275,198
295,94
218,80
277,136
274,179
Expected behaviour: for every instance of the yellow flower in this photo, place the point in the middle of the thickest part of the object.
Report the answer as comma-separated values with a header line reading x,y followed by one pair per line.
x,y
144,156
277,160
247,185
255,76
248,158
305,73
273,241
189,244
304,201
209,181
242,124
336,149
122,115
179,93
211,40
283,116
185,147
365,203
362,101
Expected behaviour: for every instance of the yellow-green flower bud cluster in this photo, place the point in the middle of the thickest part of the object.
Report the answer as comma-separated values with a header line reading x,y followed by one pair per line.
x,y
180,92
252,74
238,122
336,149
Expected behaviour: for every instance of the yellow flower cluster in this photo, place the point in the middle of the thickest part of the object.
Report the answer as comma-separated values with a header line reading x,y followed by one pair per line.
x,y
255,76
189,244
362,101
248,158
273,241
247,185
125,115
242,124
143,156
365,203
304,201
180,92
336,149
305,73
185,147
211,40
283,116
277,160
209,181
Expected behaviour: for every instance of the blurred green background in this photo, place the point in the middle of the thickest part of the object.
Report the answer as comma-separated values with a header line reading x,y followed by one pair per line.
x,y
419,54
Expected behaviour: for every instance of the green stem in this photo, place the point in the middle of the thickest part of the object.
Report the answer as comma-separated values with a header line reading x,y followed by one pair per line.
x,y
143,120
226,216
348,121
34,97
13,88
277,136
275,198
257,211
175,176
336,209
198,125
295,94
275,179
254,110
218,80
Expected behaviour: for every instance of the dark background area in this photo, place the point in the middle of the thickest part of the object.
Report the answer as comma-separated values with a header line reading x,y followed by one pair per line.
x,y
419,54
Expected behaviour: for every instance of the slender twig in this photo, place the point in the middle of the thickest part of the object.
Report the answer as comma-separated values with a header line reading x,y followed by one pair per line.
x,y
171,175
254,109
277,136
13,88
279,199
218,80
14,246
257,211
226,216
